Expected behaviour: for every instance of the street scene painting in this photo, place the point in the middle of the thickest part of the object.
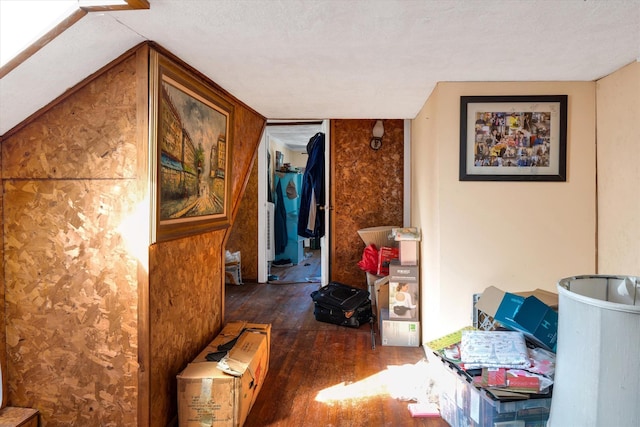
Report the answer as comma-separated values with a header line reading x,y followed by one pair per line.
x,y
193,145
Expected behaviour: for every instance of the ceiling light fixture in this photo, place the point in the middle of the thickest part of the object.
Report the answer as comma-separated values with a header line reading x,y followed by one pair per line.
x,y
378,132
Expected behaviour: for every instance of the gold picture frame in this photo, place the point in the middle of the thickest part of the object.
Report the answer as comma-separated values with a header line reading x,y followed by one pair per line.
x,y
191,139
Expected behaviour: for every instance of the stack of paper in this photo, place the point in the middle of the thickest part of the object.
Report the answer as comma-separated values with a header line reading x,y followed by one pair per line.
x,y
493,349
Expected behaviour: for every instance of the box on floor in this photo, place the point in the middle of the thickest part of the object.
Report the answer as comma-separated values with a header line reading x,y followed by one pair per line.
x,y
207,395
399,333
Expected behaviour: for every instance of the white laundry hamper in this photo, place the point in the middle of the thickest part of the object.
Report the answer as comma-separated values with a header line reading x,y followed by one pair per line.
x,y
597,377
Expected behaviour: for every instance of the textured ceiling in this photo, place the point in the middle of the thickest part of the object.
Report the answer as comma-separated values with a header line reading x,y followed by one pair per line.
x,y
294,135
316,59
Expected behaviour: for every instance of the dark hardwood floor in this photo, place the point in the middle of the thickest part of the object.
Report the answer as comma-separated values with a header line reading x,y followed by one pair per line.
x,y
322,374
306,271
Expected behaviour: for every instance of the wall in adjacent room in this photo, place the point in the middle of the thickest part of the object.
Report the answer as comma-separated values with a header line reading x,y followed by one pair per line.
x,y
513,235
618,101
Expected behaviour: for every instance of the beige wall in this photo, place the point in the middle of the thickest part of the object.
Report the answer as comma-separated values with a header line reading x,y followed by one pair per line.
x,y
618,132
296,159
513,235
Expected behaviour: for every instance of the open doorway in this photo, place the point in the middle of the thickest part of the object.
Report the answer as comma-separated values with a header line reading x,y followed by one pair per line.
x,y
282,160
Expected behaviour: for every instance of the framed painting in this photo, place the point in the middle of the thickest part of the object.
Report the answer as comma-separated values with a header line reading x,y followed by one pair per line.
x,y
191,141
513,138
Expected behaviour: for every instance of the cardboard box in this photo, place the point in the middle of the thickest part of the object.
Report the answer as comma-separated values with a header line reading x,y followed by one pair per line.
x,y
222,393
398,333
385,256
371,281
381,292
528,314
408,239
549,298
382,297
408,252
404,292
379,236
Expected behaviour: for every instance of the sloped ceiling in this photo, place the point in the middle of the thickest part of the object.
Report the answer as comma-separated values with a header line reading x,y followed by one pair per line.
x,y
314,59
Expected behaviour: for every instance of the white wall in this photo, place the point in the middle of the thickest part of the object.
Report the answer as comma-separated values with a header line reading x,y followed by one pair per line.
x,y
513,235
618,130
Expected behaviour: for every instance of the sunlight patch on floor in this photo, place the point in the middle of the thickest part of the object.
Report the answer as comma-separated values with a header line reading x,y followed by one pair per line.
x,y
404,382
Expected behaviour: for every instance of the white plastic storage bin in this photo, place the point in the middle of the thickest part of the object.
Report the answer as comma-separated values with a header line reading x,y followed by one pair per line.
x,y
464,405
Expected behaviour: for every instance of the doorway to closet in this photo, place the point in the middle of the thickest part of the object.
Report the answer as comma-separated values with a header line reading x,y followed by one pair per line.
x,y
282,160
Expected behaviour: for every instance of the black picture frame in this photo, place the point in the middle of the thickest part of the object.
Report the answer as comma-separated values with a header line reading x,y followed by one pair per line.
x,y
513,138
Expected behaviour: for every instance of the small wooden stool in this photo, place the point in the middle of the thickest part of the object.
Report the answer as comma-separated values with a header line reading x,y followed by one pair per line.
x,y
18,417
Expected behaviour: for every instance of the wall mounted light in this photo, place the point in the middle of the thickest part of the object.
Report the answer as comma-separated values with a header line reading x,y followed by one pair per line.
x,y
378,132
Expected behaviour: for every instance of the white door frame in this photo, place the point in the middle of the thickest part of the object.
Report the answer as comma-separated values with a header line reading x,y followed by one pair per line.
x,y
406,215
263,264
325,240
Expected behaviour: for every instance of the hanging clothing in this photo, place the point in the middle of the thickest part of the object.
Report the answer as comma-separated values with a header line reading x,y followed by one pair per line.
x,y
311,218
280,222
269,187
292,192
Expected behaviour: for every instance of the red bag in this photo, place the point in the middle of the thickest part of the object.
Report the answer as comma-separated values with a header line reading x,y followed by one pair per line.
x,y
369,261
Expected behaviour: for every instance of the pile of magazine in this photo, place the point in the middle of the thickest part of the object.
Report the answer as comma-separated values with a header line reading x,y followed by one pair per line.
x,y
501,362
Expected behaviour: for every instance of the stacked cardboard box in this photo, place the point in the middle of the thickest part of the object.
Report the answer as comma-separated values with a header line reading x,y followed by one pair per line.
x,y
408,239
400,319
221,393
404,292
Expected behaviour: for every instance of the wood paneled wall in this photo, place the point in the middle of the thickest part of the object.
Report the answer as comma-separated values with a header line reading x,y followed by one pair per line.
x,y
186,283
185,312
244,233
3,323
95,332
367,190
69,181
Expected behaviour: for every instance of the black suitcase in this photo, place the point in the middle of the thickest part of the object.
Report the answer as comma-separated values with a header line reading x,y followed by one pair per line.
x,y
343,305
352,318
